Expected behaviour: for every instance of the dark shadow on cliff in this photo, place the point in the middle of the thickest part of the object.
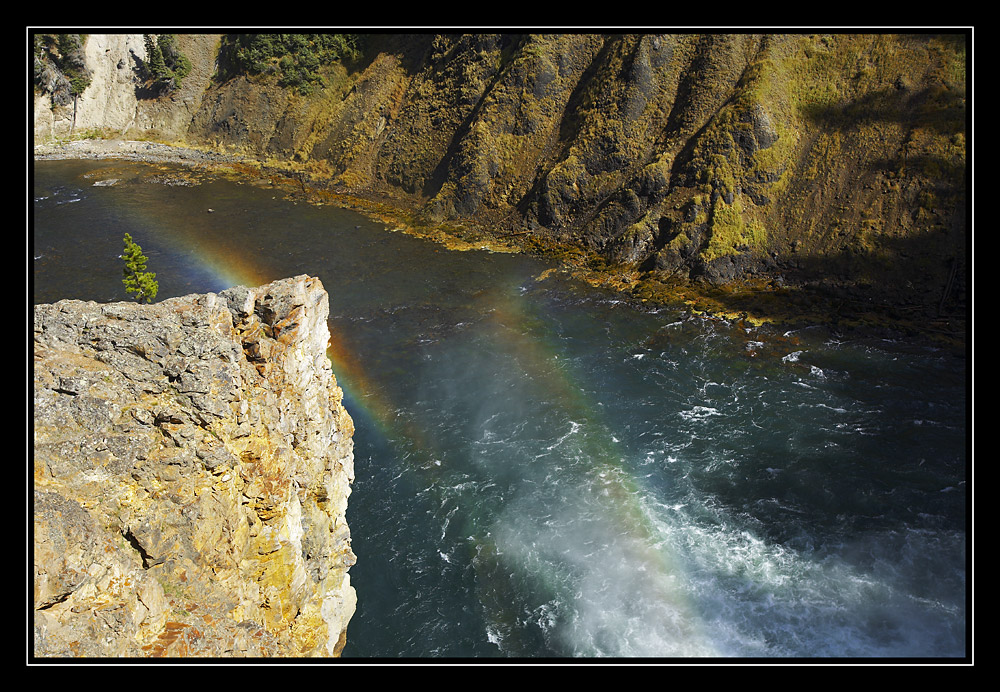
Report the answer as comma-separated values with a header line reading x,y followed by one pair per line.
x,y
940,109
917,284
411,49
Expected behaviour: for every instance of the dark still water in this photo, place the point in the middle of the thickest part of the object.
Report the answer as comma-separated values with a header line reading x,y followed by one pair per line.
x,y
543,471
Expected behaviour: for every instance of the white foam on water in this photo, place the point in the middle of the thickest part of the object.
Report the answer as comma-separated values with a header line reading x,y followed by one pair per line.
x,y
758,598
494,637
574,428
615,589
835,409
699,412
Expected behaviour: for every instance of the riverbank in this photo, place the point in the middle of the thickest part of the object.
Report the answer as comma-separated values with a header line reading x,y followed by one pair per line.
x,y
130,150
762,300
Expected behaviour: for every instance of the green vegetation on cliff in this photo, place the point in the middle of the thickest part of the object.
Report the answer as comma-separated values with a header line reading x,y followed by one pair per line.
x,y
296,58
59,67
165,65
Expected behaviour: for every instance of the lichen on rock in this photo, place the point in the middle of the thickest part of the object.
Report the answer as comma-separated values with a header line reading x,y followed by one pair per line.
x,y
192,464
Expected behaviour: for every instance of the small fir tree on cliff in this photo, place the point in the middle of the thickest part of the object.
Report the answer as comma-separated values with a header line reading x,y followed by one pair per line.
x,y
136,279
165,65
155,63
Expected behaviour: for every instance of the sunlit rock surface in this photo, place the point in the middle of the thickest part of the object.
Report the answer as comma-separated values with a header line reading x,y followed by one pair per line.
x,y
192,465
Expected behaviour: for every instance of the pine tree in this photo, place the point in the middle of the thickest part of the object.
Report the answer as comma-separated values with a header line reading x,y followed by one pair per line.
x,y
154,59
136,279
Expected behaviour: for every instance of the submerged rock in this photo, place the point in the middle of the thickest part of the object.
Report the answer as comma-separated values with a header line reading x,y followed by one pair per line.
x,y
192,464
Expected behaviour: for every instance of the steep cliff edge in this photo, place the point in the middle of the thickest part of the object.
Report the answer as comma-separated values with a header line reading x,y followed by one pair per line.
x,y
828,163
192,464
117,101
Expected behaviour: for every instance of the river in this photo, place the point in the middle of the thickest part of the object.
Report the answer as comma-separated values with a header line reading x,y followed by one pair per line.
x,y
545,471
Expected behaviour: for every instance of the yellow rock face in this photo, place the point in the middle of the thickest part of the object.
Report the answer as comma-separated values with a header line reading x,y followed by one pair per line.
x,y
192,467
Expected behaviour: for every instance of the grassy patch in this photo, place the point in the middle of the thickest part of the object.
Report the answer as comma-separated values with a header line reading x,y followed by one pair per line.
x,y
732,231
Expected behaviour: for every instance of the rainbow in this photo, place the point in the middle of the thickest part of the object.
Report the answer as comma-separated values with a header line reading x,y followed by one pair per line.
x,y
230,269
628,517
628,557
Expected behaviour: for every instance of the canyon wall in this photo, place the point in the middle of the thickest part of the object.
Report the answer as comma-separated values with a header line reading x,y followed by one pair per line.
x,y
836,161
192,465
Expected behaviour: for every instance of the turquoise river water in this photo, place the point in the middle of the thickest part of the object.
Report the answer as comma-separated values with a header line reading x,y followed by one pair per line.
x,y
543,471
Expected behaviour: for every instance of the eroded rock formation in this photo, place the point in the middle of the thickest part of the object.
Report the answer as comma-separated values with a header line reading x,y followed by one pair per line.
x,y
830,162
192,464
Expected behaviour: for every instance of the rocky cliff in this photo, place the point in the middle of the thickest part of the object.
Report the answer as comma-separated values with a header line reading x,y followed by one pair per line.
x,y
192,464
829,161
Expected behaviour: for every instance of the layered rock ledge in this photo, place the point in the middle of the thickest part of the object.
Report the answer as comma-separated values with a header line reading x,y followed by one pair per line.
x,y
192,465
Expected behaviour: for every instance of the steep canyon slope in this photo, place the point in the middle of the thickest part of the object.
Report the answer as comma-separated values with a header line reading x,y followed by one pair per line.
x,y
835,162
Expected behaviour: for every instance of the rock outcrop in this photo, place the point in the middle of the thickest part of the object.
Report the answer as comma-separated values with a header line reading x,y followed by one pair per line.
x,y
192,464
